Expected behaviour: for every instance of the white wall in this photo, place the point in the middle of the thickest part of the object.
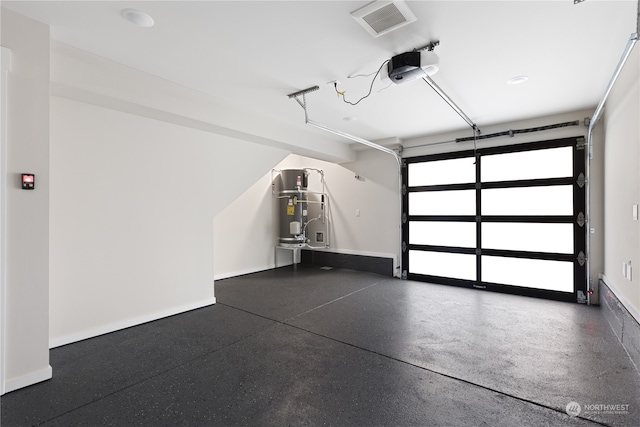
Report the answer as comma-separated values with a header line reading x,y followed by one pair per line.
x,y
246,231
132,207
622,184
376,195
26,311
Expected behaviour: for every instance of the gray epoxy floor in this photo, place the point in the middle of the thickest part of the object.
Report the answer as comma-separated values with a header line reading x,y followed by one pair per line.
x,y
343,348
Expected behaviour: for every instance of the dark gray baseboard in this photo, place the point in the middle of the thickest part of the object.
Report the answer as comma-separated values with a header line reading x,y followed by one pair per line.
x,y
624,325
370,264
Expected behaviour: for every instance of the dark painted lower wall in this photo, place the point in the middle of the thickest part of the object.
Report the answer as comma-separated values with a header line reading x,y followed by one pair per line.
x,y
370,264
624,325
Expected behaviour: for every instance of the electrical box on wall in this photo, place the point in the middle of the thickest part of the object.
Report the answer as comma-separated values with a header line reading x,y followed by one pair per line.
x,y
28,181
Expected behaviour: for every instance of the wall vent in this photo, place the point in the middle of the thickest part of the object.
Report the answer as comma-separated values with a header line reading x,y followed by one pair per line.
x,y
381,17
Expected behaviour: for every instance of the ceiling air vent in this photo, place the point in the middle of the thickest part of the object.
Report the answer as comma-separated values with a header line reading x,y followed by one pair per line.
x,y
380,17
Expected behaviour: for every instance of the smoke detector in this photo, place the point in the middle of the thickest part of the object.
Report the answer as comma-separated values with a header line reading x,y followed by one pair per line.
x,y
381,17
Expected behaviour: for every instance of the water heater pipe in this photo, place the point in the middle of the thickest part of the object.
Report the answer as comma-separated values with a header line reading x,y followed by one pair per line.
x,y
594,120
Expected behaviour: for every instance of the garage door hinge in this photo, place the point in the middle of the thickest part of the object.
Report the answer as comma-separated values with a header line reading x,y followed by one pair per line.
x,y
581,143
581,219
582,298
581,180
582,259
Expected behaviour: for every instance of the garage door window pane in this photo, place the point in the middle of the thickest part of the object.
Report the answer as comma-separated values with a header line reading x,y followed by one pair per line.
x,y
529,273
551,200
536,164
436,233
556,238
453,171
461,202
458,266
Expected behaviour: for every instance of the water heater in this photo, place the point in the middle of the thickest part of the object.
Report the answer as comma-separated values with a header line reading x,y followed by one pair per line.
x,y
292,195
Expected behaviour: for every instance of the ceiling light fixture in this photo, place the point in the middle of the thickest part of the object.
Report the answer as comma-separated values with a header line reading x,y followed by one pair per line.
x,y
517,80
137,17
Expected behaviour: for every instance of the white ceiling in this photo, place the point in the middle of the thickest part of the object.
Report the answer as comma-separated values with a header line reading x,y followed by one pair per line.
x,y
254,53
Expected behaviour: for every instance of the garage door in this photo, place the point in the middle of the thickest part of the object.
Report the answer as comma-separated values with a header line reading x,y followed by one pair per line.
x,y
510,219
